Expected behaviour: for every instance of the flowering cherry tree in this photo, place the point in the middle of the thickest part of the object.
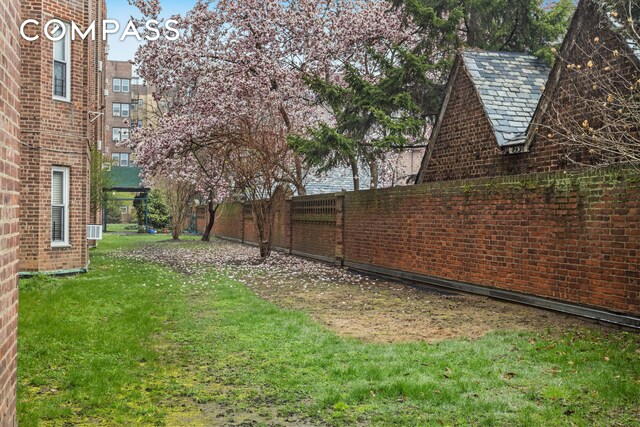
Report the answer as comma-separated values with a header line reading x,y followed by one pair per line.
x,y
237,87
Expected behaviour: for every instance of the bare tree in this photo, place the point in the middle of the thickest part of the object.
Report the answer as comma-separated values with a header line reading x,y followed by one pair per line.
x,y
179,196
595,110
262,166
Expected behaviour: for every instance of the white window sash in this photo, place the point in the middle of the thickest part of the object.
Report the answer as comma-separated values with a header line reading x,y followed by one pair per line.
x,y
117,85
65,206
67,62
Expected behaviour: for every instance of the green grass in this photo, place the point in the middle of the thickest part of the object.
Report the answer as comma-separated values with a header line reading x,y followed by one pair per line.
x,y
139,344
122,228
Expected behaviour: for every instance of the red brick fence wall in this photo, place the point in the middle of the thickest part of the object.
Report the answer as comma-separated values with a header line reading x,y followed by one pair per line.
x,y
571,238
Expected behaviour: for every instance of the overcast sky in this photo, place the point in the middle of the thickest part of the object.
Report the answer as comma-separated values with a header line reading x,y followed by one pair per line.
x,y
122,12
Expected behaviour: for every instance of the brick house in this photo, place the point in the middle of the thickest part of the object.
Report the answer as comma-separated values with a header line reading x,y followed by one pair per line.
x,y
495,118
61,122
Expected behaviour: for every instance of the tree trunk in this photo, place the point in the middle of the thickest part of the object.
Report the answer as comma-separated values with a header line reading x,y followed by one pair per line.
x,y
213,207
299,177
373,170
175,233
356,173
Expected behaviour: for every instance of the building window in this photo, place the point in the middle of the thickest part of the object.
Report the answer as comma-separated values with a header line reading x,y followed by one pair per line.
x,y
139,124
62,64
125,85
120,134
116,85
60,206
120,159
120,109
139,103
133,106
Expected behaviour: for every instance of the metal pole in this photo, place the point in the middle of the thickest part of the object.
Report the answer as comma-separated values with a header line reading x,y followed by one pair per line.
x,y
146,213
104,216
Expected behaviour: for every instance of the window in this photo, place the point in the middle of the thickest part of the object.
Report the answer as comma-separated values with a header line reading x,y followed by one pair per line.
x,y
116,85
60,206
133,106
139,103
139,124
120,109
120,159
125,85
120,134
62,64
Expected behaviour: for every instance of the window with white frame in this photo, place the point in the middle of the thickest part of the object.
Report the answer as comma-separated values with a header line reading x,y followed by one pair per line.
x,y
120,109
120,134
62,63
120,159
125,85
116,85
59,206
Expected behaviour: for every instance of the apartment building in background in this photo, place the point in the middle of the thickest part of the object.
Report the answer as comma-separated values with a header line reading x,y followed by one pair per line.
x,y
130,106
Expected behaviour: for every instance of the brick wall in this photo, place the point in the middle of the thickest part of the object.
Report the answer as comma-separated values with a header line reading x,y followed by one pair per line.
x,y
228,221
568,237
57,133
9,201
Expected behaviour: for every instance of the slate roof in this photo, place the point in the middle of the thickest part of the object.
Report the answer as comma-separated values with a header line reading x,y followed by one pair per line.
x,y
336,180
510,86
633,44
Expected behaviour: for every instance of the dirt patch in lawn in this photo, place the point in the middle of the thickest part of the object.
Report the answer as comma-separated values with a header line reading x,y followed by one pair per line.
x,y
354,304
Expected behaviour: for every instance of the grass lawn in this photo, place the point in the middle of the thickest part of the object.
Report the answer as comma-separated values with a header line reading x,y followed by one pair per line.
x,y
135,343
120,228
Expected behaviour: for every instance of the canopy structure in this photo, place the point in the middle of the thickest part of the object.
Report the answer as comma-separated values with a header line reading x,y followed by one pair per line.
x,y
126,179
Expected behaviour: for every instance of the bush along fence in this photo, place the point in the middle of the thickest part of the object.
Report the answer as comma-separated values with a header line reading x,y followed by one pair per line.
x,y
563,241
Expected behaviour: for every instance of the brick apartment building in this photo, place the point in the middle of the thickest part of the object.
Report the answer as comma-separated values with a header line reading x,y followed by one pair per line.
x,y
51,107
61,119
9,202
130,105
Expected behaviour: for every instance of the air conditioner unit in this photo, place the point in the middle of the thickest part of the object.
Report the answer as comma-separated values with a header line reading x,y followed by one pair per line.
x,y
99,145
100,66
94,232
106,92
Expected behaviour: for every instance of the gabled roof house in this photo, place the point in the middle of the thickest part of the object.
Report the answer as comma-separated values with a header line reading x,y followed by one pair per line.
x,y
495,115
